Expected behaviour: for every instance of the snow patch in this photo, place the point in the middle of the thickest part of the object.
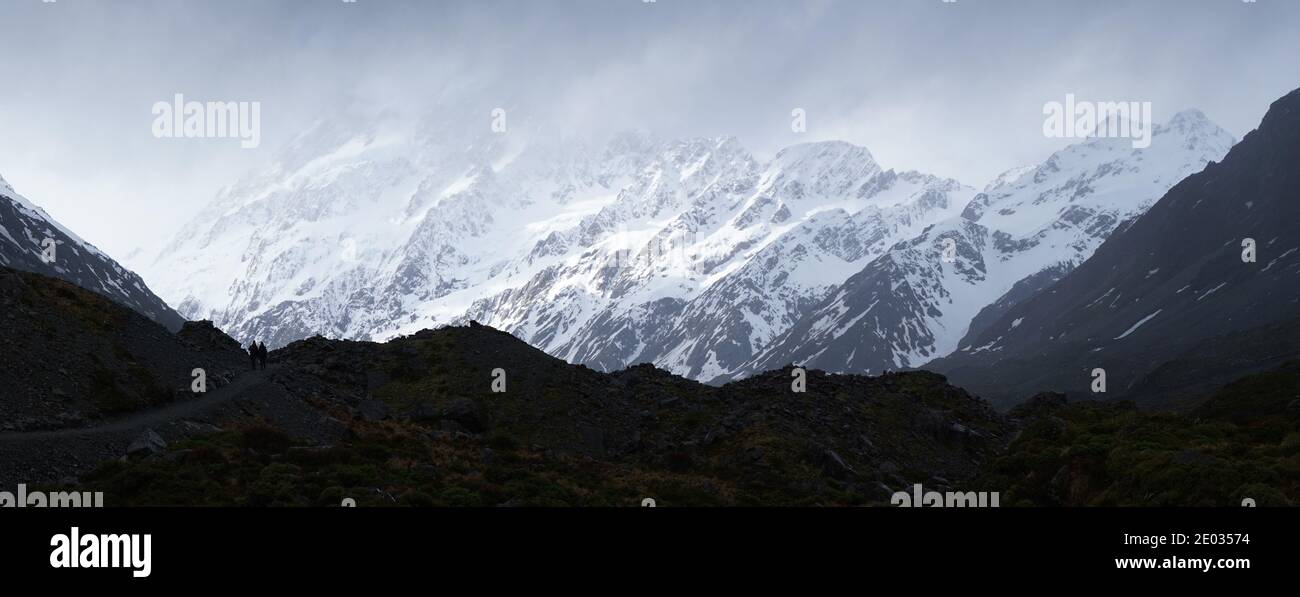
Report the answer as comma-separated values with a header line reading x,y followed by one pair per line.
x,y
1138,324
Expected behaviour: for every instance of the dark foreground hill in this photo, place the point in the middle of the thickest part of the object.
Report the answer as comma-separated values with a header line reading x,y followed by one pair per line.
x,y
425,427
1243,442
415,421
72,357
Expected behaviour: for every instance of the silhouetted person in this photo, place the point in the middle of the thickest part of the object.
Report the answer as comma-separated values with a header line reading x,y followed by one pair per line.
x,y
253,352
261,354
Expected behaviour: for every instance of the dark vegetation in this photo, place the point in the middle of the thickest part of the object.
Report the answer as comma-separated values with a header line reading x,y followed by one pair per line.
x,y
73,357
426,429
414,421
1243,442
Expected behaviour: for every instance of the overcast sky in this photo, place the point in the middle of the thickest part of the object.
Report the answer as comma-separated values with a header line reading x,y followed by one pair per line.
x,y
954,89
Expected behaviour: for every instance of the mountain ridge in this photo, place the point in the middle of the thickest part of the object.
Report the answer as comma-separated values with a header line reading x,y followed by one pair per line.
x,y
24,230
612,248
922,298
1175,277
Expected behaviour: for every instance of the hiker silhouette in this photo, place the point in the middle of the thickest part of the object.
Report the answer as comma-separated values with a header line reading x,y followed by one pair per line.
x,y
253,352
261,354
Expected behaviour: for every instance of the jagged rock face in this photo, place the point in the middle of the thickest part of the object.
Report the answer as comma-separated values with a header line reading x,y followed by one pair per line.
x,y
688,254
930,294
24,230
1171,303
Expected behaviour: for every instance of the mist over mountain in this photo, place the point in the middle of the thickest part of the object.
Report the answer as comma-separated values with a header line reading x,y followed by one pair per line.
x,y
636,250
689,254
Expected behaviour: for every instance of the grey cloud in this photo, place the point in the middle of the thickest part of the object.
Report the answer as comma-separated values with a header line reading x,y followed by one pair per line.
x,y
955,89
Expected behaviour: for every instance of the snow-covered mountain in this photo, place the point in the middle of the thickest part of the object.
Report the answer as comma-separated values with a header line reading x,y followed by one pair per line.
x,y
30,240
687,253
1025,231
1201,289
690,254
363,227
742,251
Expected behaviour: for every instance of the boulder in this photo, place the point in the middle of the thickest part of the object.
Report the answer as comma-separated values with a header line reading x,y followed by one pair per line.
x,y
372,410
422,412
465,412
148,443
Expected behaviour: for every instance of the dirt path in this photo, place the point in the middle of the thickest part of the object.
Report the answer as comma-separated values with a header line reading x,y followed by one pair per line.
x,y
44,456
152,417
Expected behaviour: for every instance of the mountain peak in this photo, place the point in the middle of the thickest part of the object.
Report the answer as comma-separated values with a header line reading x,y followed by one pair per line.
x,y
828,166
839,151
1193,121
1190,116
1009,177
1283,114
632,141
724,145
1148,306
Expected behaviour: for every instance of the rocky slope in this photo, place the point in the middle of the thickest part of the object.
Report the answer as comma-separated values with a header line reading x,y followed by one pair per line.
x,y
1241,442
1173,303
73,357
24,230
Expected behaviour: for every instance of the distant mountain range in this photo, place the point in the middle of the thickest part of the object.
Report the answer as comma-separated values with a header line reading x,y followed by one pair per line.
x,y
930,293
688,254
1081,269
691,255
696,257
